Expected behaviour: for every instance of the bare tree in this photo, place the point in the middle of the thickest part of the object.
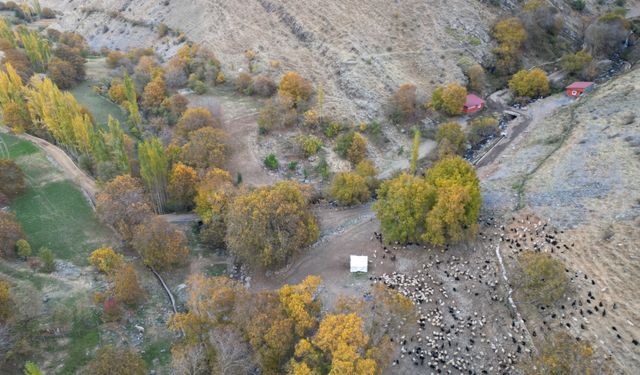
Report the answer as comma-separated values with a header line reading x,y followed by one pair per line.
x,y
232,353
189,360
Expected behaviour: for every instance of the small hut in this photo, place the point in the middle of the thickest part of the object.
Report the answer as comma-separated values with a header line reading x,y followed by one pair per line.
x,y
359,263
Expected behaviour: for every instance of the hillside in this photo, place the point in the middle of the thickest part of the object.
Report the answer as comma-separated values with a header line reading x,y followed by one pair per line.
x,y
360,52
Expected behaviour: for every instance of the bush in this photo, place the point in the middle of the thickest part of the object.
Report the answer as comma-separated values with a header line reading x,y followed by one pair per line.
x,y
23,249
47,259
309,144
271,162
244,84
367,170
10,233
264,86
403,105
349,188
358,149
530,84
12,177
562,354
276,113
449,99
578,5
47,13
163,29
476,78
541,278
126,287
575,62
106,260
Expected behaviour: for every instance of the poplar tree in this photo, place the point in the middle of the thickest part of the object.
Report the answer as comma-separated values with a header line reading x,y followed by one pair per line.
x,y
415,152
154,169
135,119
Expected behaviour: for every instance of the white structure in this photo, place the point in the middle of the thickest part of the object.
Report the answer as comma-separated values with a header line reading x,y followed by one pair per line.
x,y
359,263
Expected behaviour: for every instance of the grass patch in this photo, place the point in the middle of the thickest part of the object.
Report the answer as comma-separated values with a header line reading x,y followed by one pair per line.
x,y
36,280
99,106
216,269
84,337
159,350
53,212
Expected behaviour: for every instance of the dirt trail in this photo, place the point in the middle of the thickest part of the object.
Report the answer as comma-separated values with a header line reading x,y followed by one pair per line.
x,y
61,159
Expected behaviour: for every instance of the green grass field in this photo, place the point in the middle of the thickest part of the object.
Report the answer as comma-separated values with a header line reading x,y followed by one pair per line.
x,y
53,212
100,107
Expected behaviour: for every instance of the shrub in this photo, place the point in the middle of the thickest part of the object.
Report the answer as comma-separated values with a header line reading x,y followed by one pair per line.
x,y
47,259
358,149
114,59
264,86
244,84
106,260
403,105
541,278
163,29
195,118
309,144
562,354
126,287
12,177
476,78
349,188
531,83
23,249
10,233
575,62
450,99
578,5
311,119
271,162
367,170
276,113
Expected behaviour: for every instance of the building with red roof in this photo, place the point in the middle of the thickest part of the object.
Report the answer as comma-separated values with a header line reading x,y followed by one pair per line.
x,y
473,104
578,88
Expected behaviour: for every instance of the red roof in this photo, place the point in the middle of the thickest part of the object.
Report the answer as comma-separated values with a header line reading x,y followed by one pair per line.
x,y
579,85
473,100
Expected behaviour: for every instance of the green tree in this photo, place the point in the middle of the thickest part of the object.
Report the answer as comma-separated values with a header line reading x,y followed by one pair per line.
x,y
154,169
31,368
47,259
268,226
23,249
135,119
575,62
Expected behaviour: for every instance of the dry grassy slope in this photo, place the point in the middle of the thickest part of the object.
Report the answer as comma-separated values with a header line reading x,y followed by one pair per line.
x,y
360,50
583,167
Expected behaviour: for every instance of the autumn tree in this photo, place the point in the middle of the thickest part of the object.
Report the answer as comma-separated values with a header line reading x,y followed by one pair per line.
x,y
62,73
10,233
131,104
126,287
159,243
106,260
477,78
301,303
296,88
205,148
123,204
530,83
176,104
368,170
268,226
244,84
442,207
109,361
13,103
541,278
182,186
450,99
511,35
214,195
193,119
451,139
264,86
72,56
358,149
277,113
404,103
6,303
455,212
12,177
154,169
154,94
349,188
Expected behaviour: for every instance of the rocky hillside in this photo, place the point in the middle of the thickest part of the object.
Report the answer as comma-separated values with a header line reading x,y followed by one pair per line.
x,y
360,51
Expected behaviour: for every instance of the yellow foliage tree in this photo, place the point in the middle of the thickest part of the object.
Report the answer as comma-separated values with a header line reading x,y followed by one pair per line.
x,y
182,186
449,99
358,149
106,260
296,88
160,243
126,286
301,304
349,188
530,83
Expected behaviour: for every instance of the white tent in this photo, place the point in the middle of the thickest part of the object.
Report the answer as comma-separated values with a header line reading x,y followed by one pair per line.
x,y
359,263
